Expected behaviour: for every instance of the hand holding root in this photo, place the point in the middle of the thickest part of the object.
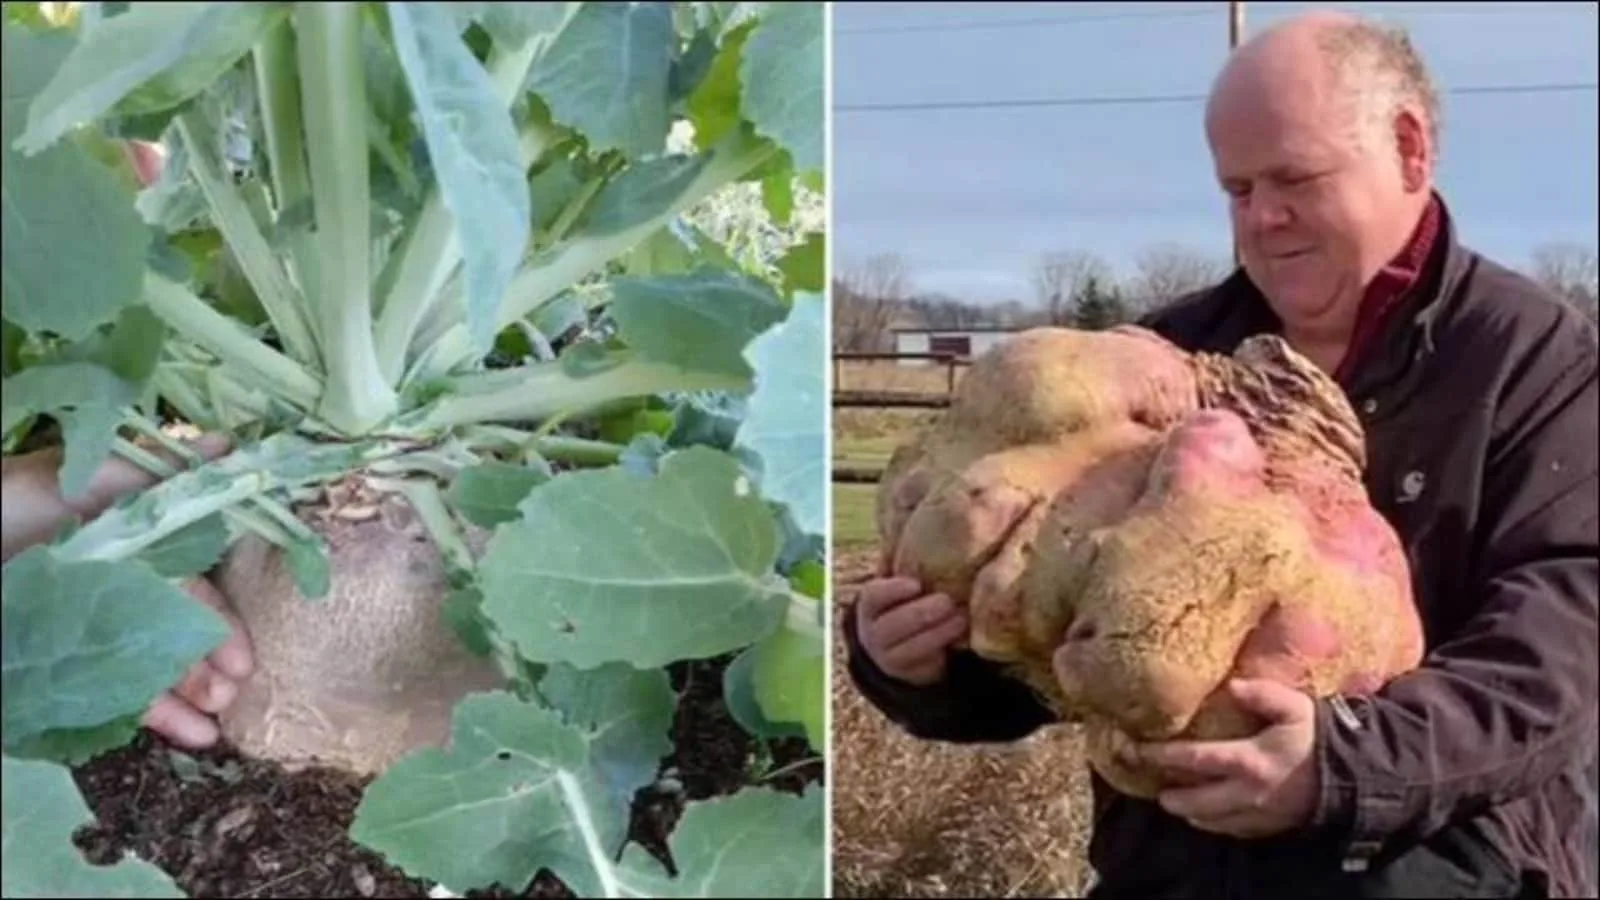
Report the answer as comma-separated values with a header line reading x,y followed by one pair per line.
x,y
34,510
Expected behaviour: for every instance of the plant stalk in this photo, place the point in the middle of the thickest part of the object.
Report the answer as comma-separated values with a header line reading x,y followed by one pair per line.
x,y
569,262
238,226
357,397
195,319
545,389
432,249
278,88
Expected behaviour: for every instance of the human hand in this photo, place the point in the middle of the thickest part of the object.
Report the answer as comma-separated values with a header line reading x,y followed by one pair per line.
x,y
34,510
1249,788
906,633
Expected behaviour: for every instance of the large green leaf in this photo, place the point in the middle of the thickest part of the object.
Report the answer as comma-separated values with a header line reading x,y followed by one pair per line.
x,y
87,400
642,192
607,566
514,793
787,675
804,267
626,715
607,75
152,58
40,809
75,746
756,843
701,321
714,107
475,152
512,25
783,77
488,494
88,642
739,693
787,421
190,550
56,203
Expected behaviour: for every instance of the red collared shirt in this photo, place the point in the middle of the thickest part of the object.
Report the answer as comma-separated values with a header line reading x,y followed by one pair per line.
x,y
1390,285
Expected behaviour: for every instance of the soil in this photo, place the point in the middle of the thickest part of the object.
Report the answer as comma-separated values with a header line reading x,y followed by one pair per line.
x,y
225,826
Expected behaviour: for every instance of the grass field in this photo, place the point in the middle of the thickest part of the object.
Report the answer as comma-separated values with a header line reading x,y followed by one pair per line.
x,y
917,818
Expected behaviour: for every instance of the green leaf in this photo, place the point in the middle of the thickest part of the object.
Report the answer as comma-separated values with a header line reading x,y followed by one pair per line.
x,y
475,152
607,566
514,24
777,193
739,692
643,454
626,716
810,578
551,189
714,107
86,399
512,795
788,677
152,58
76,746
55,201
689,70
804,266
642,192
89,642
712,420
782,73
463,612
40,809
488,493
190,550
756,843
606,74
701,321
787,421
309,565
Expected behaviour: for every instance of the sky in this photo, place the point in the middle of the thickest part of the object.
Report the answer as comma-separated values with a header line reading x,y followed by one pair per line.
x,y
970,198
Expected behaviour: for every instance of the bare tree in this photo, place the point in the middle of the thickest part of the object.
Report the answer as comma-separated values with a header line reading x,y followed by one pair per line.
x,y
1570,271
1059,277
945,311
1169,271
865,300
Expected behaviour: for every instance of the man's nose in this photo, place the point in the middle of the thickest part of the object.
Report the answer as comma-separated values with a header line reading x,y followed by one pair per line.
x,y
1263,211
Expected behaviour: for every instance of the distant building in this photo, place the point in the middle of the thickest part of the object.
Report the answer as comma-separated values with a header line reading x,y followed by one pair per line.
x,y
967,342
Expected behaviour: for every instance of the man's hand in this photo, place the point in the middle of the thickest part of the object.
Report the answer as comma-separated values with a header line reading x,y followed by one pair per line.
x,y
1250,788
34,511
908,634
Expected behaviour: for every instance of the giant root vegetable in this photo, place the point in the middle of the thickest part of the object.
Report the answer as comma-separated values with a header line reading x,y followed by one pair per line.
x,y
1130,525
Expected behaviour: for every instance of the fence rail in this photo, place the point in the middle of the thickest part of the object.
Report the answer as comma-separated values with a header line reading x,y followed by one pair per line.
x,y
889,399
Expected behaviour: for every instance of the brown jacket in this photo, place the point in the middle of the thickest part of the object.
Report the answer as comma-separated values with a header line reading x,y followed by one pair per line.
x,y
1476,774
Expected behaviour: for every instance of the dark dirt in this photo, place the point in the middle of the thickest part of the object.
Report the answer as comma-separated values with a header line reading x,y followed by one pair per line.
x,y
225,826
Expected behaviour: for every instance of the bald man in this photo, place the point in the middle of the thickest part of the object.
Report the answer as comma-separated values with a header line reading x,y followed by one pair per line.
x,y
1473,776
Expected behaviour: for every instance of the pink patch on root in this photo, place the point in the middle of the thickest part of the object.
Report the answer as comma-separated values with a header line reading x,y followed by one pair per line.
x,y
1210,449
1285,645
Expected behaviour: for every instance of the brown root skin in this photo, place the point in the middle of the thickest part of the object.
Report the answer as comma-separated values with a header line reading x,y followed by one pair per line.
x,y
1131,525
367,673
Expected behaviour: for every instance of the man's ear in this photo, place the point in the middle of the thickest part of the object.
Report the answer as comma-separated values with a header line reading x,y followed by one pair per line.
x,y
1415,150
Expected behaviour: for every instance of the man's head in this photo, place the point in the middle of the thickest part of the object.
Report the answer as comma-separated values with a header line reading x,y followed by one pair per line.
x,y
1323,133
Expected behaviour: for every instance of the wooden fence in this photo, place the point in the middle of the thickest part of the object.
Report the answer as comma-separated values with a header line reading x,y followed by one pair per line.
x,y
888,399
896,399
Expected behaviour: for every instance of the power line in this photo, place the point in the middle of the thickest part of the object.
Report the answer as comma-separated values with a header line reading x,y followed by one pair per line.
x,y
1553,88
1041,21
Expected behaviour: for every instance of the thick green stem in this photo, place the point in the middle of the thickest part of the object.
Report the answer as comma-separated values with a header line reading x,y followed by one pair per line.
x,y
229,210
357,397
560,448
535,392
279,92
428,503
282,461
247,520
568,263
195,319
